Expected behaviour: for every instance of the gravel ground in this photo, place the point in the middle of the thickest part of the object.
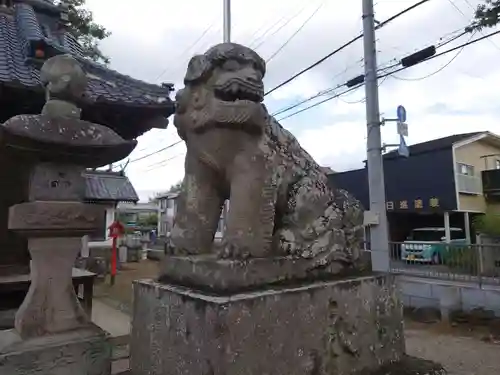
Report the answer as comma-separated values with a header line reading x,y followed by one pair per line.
x,y
459,355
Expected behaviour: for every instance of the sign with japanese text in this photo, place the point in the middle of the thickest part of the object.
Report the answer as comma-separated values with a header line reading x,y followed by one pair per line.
x,y
417,204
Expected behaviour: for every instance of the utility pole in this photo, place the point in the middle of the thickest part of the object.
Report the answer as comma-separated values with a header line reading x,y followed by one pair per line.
x,y
379,239
227,21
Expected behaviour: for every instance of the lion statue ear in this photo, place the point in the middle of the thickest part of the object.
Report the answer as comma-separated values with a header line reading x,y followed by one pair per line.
x,y
197,68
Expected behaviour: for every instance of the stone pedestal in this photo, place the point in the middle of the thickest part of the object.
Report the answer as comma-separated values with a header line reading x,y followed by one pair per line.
x,y
51,305
336,327
81,352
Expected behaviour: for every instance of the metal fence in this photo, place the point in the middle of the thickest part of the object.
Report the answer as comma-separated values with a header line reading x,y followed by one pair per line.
x,y
474,263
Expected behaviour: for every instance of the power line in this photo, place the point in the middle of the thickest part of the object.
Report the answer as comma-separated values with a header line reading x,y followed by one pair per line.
x,y
442,42
462,46
321,102
155,152
294,16
436,71
323,59
360,78
470,42
256,38
353,88
295,33
162,163
463,14
203,34
320,93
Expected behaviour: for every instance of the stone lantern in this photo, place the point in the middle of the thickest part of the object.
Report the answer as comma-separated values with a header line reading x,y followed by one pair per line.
x,y
57,146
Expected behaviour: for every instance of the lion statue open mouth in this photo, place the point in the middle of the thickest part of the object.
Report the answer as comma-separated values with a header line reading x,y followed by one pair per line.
x,y
280,201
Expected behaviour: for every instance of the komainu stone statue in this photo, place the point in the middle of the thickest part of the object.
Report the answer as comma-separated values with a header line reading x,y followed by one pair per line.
x,y
286,292
280,201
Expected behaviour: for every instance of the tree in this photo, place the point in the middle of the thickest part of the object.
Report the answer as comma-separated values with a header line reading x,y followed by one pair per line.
x,y
488,224
175,187
150,220
172,189
88,33
486,15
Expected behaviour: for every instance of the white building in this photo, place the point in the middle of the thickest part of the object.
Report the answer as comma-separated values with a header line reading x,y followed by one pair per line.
x,y
167,209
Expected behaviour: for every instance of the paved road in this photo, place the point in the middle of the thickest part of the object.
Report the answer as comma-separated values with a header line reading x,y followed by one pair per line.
x,y
459,355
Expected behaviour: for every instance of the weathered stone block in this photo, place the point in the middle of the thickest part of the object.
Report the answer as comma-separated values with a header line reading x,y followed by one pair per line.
x,y
335,327
45,216
79,352
56,182
226,276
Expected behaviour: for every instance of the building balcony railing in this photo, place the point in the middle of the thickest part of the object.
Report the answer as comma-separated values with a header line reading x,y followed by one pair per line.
x,y
469,184
491,182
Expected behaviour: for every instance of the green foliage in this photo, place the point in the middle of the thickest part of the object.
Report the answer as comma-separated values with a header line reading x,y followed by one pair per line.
x,y
172,189
88,33
488,224
462,259
486,15
175,187
148,221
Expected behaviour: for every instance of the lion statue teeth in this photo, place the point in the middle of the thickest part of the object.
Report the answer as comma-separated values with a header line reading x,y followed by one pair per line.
x,y
280,200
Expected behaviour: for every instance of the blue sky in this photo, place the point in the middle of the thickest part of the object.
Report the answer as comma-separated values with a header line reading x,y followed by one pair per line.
x,y
155,40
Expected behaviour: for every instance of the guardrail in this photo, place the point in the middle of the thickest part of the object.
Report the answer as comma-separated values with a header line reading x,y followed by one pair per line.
x,y
474,263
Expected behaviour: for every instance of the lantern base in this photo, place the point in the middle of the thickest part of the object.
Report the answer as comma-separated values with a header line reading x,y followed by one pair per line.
x,y
51,305
79,352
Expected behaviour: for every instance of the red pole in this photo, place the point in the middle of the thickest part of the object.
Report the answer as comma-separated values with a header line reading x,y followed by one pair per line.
x,y
113,261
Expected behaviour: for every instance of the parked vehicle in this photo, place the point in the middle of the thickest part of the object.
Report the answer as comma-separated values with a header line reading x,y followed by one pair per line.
x,y
428,245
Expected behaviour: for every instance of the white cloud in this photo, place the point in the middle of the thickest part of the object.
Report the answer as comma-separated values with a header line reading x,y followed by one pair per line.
x,y
155,40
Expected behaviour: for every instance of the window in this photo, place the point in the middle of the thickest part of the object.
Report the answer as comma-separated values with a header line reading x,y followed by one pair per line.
x,y
465,169
170,203
497,164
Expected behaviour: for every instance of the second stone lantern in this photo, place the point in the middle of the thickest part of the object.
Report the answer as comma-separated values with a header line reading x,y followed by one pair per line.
x,y
57,146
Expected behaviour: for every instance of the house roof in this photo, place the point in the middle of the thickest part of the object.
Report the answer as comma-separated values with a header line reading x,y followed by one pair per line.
x,y
109,186
168,195
137,207
25,30
434,144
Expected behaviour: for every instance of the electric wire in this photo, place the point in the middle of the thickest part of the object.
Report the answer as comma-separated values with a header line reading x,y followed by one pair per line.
x,y
384,76
436,71
156,152
267,30
301,27
321,102
470,42
441,43
253,37
396,62
345,45
192,45
161,164
297,14
320,93
463,14
453,49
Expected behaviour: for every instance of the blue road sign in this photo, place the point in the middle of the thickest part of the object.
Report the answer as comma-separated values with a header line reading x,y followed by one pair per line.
x,y
403,148
401,112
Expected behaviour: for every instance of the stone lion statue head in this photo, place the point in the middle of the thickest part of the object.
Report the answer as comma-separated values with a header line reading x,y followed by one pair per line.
x,y
223,88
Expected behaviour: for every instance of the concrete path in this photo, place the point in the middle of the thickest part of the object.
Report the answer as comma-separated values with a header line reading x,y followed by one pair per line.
x,y
113,321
